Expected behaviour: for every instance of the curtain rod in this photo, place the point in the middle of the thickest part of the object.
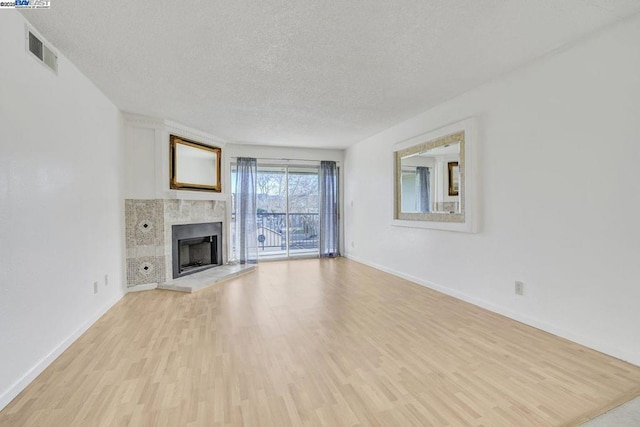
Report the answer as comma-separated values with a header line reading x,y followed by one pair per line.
x,y
281,159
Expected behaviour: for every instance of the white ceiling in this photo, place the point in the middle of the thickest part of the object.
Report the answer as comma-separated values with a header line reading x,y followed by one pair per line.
x,y
306,73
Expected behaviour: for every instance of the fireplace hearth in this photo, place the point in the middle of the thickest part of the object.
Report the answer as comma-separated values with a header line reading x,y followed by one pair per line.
x,y
196,247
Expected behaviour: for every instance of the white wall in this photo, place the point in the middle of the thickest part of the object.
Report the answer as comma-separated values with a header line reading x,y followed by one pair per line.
x,y
273,152
61,208
142,167
146,158
558,154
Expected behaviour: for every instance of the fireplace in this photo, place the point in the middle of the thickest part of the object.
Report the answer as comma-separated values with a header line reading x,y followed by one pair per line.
x,y
196,247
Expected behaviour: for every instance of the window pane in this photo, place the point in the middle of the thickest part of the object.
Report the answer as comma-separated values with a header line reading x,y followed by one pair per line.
x,y
304,220
272,203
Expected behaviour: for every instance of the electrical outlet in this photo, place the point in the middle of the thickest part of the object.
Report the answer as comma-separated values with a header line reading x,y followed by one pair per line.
x,y
106,280
95,287
519,288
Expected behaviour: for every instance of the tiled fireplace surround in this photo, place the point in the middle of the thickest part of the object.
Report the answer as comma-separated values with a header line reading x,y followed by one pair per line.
x,y
148,235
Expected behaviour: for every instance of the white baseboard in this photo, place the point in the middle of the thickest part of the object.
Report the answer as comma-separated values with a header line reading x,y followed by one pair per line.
x,y
530,321
8,395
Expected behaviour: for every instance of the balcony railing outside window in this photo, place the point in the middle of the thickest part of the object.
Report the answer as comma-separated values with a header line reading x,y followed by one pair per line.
x,y
272,233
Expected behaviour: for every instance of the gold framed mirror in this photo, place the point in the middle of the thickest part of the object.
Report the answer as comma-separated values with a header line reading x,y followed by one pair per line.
x,y
194,165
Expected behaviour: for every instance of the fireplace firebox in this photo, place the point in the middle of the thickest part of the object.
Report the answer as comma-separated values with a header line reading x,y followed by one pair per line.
x,y
196,247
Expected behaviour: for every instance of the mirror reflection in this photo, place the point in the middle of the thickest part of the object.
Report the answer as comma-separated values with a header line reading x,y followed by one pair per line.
x,y
430,180
195,165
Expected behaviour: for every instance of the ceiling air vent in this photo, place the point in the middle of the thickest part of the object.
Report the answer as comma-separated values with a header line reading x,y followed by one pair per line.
x,y
41,51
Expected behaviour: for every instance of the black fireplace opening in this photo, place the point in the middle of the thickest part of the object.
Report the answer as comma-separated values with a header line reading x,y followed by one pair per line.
x,y
196,253
196,247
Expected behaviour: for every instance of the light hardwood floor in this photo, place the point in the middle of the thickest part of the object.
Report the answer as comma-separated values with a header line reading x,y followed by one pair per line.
x,y
318,342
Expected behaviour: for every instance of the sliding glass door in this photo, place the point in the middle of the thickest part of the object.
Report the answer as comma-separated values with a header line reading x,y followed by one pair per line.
x,y
287,210
303,223
272,211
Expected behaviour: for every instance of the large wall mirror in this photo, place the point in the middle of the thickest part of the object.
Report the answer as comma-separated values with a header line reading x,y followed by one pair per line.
x,y
194,166
432,180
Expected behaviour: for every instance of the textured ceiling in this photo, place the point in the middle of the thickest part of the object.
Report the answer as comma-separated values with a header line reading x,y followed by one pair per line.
x,y
306,73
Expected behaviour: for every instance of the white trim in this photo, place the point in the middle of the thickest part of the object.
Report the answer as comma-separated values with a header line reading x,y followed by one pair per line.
x,y
463,227
188,132
195,195
530,321
142,121
15,389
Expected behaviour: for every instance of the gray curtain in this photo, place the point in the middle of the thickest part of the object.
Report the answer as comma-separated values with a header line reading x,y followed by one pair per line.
x,y
424,186
246,217
329,231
